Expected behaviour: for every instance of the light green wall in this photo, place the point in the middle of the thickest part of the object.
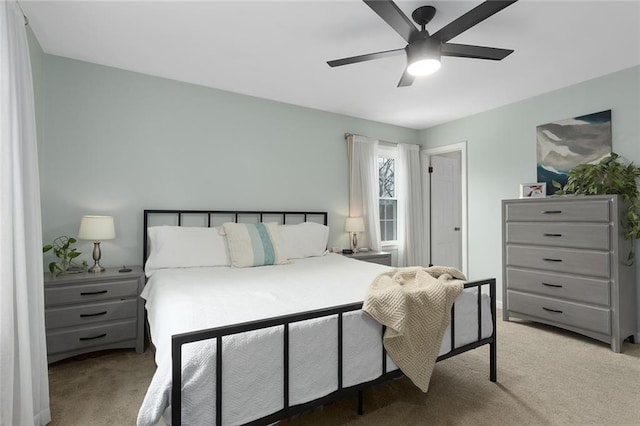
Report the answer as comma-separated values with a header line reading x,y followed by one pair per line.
x,y
36,56
501,151
117,142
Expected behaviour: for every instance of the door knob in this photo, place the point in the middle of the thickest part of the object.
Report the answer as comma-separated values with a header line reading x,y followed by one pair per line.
x,y
457,228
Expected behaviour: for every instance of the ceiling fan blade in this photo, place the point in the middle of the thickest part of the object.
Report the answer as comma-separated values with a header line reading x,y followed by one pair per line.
x,y
477,52
471,18
367,57
392,15
406,79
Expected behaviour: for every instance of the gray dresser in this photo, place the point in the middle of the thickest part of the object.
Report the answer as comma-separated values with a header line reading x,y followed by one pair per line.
x,y
87,312
564,264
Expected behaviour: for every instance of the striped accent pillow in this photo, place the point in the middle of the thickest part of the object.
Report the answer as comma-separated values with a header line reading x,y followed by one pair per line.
x,y
254,244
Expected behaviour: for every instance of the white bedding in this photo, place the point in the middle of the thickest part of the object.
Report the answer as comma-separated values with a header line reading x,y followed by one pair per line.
x,y
187,299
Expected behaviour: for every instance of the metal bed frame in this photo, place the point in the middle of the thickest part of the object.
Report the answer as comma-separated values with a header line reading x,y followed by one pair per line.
x,y
218,333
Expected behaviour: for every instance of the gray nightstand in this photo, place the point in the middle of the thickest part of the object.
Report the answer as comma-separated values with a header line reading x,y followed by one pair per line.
x,y
381,257
87,312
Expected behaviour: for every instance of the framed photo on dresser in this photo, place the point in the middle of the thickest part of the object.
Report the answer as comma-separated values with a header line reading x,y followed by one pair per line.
x,y
533,190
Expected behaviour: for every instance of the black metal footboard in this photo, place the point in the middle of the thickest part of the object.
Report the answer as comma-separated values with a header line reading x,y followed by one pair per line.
x,y
284,321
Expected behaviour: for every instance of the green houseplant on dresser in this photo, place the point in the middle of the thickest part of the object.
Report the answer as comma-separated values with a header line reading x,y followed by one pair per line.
x,y
63,249
565,264
609,176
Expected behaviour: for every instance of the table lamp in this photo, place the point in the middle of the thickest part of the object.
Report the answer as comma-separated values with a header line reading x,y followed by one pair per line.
x,y
354,225
96,229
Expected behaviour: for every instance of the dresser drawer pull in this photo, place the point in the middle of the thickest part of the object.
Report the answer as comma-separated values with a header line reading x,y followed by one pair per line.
x,y
94,337
552,285
89,293
97,314
549,259
553,235
555,311
551,211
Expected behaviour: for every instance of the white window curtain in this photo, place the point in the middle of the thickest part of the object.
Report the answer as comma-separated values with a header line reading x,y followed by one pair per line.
x,y
24,385
363,187
411,248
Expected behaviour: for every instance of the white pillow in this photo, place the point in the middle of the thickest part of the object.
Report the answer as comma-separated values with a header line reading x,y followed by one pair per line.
x,y
184,247
253,244
306,239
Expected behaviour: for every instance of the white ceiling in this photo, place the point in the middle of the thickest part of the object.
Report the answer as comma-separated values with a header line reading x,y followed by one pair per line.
x,y
278,50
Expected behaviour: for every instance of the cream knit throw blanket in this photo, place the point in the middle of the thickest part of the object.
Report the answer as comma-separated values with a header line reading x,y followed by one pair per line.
x,y
415,305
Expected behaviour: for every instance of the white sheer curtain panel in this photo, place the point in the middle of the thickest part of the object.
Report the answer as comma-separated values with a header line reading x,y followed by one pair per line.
x,y
411,237
363,186
24,384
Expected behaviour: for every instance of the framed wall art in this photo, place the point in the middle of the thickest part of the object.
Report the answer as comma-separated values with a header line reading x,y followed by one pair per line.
x,y
564,144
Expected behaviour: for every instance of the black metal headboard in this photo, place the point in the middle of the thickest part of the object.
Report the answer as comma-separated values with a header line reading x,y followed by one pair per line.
x,y
209,218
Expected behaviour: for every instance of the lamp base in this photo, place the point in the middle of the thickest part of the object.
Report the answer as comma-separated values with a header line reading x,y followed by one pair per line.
x,y
97,254
96,268
354,242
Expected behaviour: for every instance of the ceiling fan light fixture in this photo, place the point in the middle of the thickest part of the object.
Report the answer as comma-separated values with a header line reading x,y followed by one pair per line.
x,y
423,67
423,57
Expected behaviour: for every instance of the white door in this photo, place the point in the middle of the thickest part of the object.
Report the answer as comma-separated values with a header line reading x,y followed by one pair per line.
x,y
446,212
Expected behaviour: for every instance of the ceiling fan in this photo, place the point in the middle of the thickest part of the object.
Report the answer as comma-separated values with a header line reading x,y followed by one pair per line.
x,y
424,50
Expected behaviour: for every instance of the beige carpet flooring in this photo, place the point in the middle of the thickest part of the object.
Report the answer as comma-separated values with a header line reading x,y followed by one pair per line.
x,y
546,376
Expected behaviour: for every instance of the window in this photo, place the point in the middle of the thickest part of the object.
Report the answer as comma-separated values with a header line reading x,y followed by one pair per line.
x,y
388,201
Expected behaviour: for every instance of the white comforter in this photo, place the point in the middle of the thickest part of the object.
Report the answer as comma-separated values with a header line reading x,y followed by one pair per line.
x,y
181,300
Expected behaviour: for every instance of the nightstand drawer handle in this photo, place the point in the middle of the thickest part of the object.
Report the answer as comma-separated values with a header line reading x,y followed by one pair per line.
x,y
89,293
548,259
94,337
552,285
551,211
555,311
97,314
553,235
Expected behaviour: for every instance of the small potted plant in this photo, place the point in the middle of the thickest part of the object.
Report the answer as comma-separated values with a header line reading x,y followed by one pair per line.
x,y
62,249
609,176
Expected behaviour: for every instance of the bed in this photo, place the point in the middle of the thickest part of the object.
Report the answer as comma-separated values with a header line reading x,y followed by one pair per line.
x,y
293,335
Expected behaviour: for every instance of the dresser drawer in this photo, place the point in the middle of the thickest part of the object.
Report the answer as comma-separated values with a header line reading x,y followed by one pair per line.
x,y
578,235
80,293
563,312
578,209
77,315
579,289
581,262
70,339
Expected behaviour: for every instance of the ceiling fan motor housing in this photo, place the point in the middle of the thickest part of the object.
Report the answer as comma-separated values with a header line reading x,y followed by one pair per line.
x,y
423,48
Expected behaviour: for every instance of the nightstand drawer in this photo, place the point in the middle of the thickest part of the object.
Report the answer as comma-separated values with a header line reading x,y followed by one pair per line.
x,y
562,312
78,315
379,257
90,292
580,289
577,235
380,260
581,262
71,339
580,210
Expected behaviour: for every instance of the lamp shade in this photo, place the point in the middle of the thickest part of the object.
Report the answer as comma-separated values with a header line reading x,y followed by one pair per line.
x,y
97,228
354,224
